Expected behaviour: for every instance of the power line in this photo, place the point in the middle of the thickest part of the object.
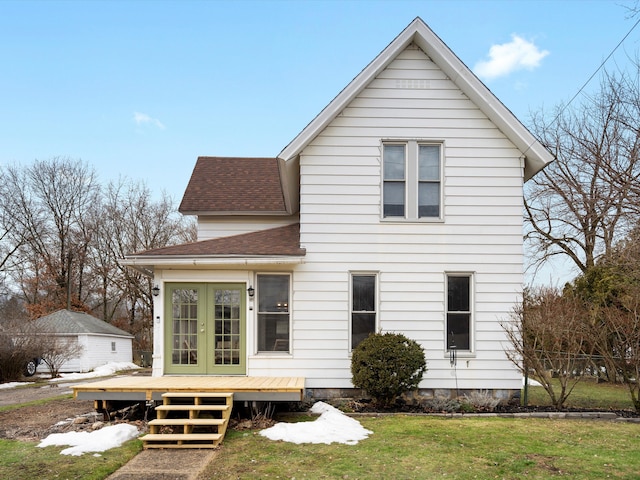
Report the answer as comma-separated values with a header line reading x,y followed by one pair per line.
x,y
602,64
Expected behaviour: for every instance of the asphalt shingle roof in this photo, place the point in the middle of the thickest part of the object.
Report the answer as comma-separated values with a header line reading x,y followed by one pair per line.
x,y
69,322
233,184
274,241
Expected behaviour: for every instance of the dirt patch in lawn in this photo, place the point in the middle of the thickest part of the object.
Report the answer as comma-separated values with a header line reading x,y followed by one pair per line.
x,y
35,422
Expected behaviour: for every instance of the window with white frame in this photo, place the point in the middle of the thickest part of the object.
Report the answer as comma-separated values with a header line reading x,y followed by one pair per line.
x,y
459,303
273,313
412,180
363,306
113,346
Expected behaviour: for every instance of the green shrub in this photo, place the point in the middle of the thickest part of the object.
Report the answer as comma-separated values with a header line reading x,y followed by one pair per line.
x,y
387,365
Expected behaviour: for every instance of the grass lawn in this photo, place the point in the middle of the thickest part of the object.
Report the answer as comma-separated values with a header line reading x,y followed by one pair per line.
x,y
417,447
24,460
401,447
588,394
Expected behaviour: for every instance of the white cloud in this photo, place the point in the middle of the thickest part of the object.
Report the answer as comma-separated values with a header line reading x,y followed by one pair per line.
x,y
508,57
143,118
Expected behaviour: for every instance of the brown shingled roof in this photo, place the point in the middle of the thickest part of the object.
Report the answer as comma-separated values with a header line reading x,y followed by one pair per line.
x,y
275,241
227,184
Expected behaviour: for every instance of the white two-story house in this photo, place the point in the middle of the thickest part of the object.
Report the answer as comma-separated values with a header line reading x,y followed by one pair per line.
x,y
399,208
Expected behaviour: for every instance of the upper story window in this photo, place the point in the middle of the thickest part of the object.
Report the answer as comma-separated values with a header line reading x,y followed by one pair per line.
x,y
412,179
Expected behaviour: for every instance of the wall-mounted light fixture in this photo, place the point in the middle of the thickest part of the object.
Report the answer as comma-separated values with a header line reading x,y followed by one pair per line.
x,y
155,290
251,291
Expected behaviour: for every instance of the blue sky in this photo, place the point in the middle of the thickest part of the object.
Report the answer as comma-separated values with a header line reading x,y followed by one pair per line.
x,y
142,88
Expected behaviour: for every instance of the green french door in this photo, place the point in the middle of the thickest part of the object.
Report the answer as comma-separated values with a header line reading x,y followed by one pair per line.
x,y
205,328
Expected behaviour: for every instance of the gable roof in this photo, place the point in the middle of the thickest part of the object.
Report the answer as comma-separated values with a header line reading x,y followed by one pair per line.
x,y
536,155
74,323
228,185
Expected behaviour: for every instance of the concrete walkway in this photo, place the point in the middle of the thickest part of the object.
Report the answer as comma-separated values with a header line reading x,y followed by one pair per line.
x,y
165,464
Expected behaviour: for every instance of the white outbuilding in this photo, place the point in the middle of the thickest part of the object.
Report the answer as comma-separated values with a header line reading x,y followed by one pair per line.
x,y
101,342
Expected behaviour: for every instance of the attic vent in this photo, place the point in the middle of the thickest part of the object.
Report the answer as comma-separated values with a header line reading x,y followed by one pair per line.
x,y
413,83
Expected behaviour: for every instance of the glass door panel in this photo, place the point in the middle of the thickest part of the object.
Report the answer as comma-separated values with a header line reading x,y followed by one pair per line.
x,y
205,329
228,320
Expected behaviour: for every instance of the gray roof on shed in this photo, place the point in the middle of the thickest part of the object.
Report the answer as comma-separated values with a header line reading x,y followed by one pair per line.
x,y
76,323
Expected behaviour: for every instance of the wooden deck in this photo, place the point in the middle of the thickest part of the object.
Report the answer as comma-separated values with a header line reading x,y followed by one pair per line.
x,y
141,388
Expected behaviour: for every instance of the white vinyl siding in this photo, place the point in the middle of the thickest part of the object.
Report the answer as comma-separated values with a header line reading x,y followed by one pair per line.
x,y
342,231
226,226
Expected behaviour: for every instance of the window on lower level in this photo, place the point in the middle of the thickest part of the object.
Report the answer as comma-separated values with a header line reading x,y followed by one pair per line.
x,y
412,180
273,313
113,346
459,318
363,307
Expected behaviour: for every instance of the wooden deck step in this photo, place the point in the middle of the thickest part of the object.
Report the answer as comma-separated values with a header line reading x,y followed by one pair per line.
x,y
182,440
202,417
188,421
198,394
204,408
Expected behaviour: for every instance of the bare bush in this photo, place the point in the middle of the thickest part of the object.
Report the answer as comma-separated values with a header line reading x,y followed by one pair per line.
x,y
58,350
481,401
550,337
17,347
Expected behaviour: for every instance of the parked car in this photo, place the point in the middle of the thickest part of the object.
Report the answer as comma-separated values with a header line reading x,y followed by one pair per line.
x,y
31,367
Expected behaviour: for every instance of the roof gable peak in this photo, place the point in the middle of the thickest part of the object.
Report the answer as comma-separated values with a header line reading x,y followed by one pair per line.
x,y
421,36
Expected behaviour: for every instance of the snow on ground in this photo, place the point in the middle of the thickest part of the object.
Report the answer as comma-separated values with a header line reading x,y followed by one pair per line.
x,y
532,382
331,426
13,384
102,371
97,441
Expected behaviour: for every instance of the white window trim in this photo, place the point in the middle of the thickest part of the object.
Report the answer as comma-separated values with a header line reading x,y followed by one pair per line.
x,y
371,273
258,353
411,180
472,306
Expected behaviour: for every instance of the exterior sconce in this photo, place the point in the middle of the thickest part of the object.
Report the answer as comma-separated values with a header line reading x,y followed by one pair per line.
x,y
251,291
155,291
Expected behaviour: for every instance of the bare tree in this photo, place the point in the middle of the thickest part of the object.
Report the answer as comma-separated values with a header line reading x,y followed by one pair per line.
x,y
132,221
57,350
50,201
550,338
63,236
581,203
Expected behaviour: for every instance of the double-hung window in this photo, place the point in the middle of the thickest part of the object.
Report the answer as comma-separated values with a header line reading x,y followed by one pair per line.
x,y
273,313
363,306
412,180
459,311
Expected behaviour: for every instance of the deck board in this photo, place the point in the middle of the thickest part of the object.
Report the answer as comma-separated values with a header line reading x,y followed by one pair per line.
x,y
151,388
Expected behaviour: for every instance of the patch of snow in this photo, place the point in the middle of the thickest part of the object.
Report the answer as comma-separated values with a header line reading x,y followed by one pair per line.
x,y
532,383
97,441
13,384
331,426
102,371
